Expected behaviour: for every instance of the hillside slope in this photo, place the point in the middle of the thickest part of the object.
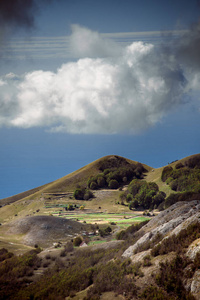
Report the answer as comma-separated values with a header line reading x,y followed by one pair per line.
x,y
69,182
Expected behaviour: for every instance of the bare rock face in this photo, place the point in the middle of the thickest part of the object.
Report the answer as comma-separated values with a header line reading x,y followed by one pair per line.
x,y
171,221
195,286
193,249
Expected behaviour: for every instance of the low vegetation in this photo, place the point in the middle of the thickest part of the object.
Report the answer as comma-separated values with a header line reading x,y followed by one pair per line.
x,y
114,172
130,231
177,243
82,193
100,270
145,195
183,178
168,282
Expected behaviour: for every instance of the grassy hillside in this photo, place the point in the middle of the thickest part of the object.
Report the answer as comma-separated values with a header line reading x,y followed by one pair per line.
x,y
34,201
67,183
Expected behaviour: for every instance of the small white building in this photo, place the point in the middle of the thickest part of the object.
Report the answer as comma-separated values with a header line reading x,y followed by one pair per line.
x,y
83,244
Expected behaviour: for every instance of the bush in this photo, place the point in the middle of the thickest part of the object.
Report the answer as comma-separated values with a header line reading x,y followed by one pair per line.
x,y
79,194
4,254
69,247
147,261
166,173
88,195
77,241
101,181
113,184
186,196
169,279
178,242
145,194
183,178
105,232
129,232
193,162
174,185
179,165
133,204
129,198
93,185
82,194
112,162
112,277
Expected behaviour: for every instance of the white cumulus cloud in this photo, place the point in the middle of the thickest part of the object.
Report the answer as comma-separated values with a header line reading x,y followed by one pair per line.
x,y
107,90
87,43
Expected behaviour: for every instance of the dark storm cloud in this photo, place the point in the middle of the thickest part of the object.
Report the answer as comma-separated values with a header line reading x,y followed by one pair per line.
x,y
187,48
17,12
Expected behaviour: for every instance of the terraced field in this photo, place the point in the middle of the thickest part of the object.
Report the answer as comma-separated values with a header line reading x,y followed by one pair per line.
x,y
120,219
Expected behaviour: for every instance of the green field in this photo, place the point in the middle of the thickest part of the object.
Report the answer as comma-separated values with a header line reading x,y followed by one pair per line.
x,y
103,218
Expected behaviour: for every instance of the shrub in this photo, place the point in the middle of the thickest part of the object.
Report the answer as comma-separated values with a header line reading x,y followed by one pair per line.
x,y
170,276
112,162
101,181
125,234
105,232
79,194
82,194
4,254
88,195
113,184
186,196
69,247
179,165
134,204
193,162
174,185
63,253
183,178
111,277
166,173
147,261
177,242
93,185
145,194
77,241
169,179
129,198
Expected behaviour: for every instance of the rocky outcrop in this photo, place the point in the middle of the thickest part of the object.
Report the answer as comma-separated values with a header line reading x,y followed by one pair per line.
x,y
195,285
171,221
193,249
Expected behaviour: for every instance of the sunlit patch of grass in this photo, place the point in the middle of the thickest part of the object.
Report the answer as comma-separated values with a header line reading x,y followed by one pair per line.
x,y
92,243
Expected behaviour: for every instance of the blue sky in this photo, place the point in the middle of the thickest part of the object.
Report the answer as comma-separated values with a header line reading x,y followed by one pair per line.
x,y
84,79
